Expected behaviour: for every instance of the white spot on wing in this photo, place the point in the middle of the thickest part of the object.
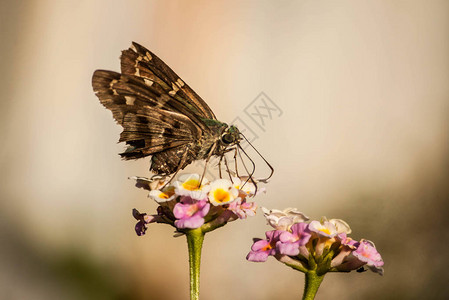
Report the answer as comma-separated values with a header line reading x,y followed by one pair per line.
x,y
136,65
148,56
180,83
111,86
130,100
175,89
148,82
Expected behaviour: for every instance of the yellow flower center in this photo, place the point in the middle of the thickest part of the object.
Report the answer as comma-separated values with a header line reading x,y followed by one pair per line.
x,y
325,230
221,195
267,247
163,196
191,184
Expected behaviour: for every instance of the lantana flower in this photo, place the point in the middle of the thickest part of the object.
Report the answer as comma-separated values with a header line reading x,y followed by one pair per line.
x,y
290,241
242,209
162,196
366,252
222,192
190,185
188,203
190,213
315,247
245,186
261,249
283,219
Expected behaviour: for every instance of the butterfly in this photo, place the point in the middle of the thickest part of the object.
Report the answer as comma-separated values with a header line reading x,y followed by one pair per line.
x,y
161,115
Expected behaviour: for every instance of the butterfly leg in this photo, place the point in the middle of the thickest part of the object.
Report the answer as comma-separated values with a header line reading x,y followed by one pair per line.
x,y
219,167
223,158
212,149
227,169
235,162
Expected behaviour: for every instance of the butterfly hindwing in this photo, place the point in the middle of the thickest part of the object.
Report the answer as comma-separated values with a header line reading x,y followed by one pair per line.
x,y
168,161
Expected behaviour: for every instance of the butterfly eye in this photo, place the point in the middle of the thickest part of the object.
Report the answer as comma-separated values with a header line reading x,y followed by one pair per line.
x,y
227,138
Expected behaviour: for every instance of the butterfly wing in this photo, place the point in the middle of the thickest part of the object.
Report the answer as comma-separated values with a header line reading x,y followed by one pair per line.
x,y
160,114
149,128
141,62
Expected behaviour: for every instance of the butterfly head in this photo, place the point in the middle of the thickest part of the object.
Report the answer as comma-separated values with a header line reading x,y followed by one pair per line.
x,y
230,136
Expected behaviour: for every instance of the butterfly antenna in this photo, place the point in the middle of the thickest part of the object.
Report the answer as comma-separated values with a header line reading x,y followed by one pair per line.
x,y
223,158
250,175
211,151
268,164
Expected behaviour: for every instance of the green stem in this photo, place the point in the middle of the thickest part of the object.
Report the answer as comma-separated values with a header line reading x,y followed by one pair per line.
x,y
195,239
312,284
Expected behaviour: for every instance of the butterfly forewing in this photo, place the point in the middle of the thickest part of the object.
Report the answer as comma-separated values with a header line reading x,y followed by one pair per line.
x,y
141,62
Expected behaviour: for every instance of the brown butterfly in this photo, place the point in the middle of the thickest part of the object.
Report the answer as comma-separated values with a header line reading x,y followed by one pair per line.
x,y
161,115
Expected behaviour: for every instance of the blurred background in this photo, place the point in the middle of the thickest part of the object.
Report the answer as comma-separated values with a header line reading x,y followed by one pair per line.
x,y
361,134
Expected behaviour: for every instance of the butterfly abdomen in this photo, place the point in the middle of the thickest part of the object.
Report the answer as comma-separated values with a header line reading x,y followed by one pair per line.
x,y
169,161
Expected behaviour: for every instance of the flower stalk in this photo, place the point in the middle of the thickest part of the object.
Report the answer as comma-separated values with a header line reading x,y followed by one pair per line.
x,y
313,282
195,238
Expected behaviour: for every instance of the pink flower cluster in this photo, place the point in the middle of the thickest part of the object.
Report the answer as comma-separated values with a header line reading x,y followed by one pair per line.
x,y
321,246
187,203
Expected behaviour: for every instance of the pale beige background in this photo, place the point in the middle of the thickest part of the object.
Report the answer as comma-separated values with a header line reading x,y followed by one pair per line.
x,y
363,137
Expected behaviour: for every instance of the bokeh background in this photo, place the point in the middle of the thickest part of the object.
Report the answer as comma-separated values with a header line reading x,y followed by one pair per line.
x,y
363,86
